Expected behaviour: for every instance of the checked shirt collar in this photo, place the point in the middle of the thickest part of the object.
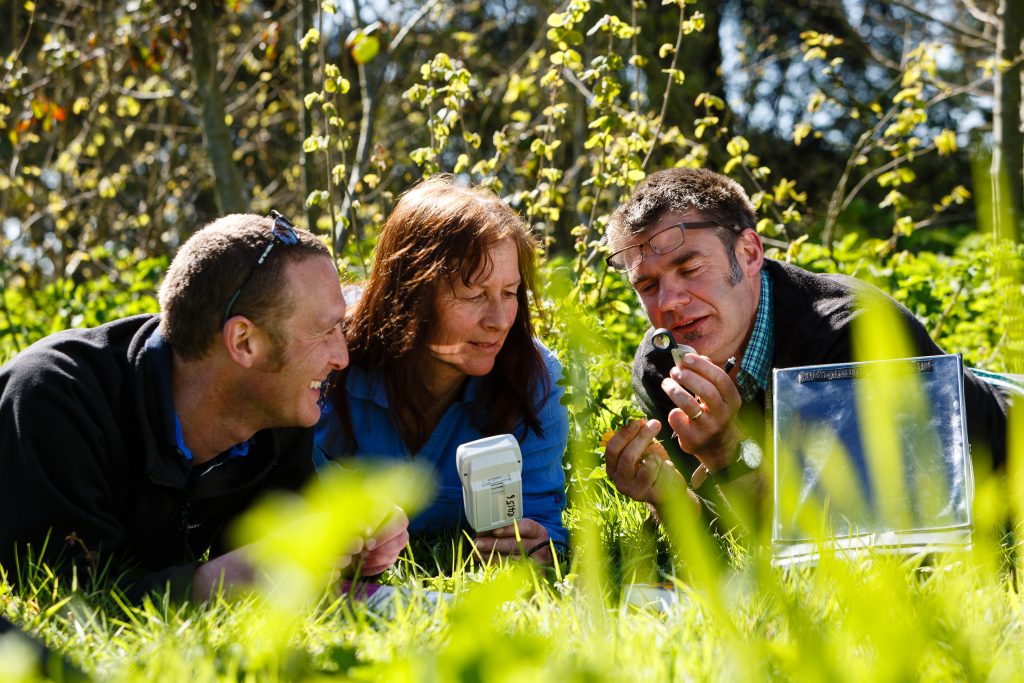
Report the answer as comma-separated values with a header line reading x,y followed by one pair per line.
x,y
756,367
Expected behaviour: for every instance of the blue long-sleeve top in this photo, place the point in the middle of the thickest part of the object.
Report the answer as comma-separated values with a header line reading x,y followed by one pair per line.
x,y
377,438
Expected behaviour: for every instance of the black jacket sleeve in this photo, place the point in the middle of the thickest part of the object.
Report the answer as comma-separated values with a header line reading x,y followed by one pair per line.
x,y
55,484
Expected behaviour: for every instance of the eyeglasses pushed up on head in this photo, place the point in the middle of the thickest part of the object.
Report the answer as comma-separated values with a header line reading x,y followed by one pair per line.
x,y
661,242
283,232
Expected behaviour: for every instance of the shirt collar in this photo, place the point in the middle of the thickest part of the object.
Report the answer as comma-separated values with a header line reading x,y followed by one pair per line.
x,y
755,369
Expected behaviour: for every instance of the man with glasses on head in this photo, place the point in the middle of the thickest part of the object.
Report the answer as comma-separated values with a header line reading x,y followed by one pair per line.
x,y
129,447
687,243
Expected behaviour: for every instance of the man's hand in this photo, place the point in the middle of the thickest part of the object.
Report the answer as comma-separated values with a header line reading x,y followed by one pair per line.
x,y
379,551
639,466
503,541
704,419
233,567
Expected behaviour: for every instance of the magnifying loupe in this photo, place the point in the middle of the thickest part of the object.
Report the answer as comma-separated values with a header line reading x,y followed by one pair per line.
x,y
663,339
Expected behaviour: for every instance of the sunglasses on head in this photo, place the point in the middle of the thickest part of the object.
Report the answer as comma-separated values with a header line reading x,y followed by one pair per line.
x,y
281,232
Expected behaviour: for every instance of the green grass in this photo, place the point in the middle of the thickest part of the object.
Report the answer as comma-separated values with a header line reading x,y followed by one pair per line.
x,y
954,617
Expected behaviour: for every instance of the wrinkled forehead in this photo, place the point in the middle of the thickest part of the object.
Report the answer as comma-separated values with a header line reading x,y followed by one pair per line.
x,y
501,255
666,220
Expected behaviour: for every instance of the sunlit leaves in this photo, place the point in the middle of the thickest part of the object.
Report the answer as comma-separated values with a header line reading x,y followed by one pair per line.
x,y
334,81
945,142
303,538
363,43
801,131
127,106
317,198
311,38
895,199
694,24
316,143
710,101
958,195
897,177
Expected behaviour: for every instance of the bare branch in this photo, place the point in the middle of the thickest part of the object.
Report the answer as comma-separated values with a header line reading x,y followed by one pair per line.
x,y
410,25
980,14
250,45
953,28
668,85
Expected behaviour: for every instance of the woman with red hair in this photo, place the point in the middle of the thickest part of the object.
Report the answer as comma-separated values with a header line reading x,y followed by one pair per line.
x,y
443,352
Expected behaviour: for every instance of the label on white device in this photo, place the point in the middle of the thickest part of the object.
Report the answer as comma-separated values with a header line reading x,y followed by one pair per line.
x,y
492,487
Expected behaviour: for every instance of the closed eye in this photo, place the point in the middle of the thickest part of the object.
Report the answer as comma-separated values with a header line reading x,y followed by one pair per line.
x,y
647,286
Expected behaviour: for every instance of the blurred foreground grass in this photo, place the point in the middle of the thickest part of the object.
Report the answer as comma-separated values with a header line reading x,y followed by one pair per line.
x,y
953,617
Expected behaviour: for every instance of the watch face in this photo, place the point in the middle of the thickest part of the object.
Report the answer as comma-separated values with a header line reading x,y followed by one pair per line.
x,y
750,454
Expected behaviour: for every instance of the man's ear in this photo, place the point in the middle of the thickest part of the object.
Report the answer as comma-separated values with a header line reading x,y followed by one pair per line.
x,y
244,342
750,252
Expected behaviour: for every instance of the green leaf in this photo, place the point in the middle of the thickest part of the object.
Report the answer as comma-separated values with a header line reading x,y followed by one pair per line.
x,y
364,49
945,142
620,306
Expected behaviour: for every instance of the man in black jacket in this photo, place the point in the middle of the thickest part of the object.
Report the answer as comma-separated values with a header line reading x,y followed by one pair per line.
x,y
687,241
129,447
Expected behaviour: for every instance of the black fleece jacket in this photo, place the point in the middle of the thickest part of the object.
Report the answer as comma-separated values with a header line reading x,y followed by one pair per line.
x,y
89,466
813,315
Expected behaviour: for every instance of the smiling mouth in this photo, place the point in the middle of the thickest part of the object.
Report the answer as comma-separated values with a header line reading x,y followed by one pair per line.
x,y
315,385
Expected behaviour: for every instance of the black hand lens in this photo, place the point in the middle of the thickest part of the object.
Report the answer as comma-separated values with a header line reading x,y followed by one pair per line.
x,y
663,339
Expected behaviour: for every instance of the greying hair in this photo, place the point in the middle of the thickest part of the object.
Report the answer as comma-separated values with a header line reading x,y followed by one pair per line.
x,y
680,190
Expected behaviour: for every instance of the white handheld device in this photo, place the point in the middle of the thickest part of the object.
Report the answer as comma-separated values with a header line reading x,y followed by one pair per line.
x,y
491,470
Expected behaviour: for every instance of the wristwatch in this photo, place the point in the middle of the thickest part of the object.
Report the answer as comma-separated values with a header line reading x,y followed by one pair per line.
x,y
748,459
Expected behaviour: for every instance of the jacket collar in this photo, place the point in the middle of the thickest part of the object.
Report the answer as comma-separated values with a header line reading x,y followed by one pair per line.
x,y
150,355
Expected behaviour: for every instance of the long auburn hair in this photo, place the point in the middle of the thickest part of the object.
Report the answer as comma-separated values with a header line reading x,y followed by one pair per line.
x,y
439,231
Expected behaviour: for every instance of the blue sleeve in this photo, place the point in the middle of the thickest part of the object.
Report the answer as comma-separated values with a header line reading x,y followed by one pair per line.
x,y
543,475
328,440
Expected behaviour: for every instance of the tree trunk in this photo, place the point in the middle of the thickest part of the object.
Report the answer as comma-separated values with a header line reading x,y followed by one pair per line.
x,y
231,195
1008,139
10,37
306,75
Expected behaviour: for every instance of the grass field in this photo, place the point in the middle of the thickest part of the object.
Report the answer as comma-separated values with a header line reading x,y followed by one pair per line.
x,y
953,617
879,618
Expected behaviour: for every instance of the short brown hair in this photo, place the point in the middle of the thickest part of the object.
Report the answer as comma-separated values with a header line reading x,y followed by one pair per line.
x,y
212,264
439,231
679,190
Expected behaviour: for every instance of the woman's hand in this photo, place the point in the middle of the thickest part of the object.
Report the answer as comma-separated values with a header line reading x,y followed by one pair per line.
x,y
503,541
378,552
229,571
